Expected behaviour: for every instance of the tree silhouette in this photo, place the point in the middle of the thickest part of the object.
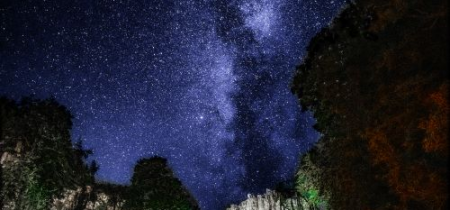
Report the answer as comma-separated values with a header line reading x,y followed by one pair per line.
x,y
376,80
154,186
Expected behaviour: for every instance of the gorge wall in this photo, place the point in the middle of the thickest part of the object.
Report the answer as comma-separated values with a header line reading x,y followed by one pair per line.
x,y
89,197
271,200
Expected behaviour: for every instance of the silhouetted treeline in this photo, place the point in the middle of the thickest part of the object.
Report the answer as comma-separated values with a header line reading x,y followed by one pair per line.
x,y
377,82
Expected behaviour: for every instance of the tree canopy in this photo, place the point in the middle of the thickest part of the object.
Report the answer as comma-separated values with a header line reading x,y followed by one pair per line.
x,y
377,82
154,186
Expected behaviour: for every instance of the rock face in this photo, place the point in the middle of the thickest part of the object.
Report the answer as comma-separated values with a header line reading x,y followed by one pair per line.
x,y
153,185
81,198
8,158
38,159
86,199
271,200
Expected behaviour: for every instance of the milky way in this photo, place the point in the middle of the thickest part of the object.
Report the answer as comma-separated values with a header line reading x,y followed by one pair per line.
x,y
202,83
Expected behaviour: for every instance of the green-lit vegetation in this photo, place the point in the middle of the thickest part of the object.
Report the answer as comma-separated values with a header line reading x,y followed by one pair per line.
x,y
40,159
308,187
376,81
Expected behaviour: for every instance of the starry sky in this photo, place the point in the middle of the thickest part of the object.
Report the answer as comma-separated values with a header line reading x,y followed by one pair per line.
x,y
203,83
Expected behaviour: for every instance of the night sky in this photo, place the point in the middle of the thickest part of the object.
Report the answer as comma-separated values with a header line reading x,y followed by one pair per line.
x,y
204,84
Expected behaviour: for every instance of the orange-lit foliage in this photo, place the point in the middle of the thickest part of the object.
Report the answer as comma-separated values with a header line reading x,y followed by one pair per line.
x,y
376,80
409,179
436,125
396,145
388,12
380,146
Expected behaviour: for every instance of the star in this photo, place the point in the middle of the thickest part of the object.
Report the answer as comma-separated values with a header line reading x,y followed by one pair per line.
x,y
204,84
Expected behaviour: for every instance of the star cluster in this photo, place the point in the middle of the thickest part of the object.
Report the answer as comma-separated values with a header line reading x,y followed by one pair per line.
x,y
202,83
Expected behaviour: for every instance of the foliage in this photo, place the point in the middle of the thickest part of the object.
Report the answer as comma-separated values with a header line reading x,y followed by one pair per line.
x,y
376,80
36,136
36,194
307,186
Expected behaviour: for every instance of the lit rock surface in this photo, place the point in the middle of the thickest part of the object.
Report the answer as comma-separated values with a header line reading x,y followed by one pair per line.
x,y
86,199
72,199
271,200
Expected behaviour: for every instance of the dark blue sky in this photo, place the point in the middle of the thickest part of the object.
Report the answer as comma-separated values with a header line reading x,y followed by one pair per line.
x,y
204,84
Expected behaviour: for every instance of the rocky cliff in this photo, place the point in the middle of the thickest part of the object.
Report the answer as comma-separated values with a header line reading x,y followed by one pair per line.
x,y
79,198
87,199
271,200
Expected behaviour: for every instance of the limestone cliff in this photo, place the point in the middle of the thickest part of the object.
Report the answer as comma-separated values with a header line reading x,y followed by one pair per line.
x,y
271,200
80,198
87,199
